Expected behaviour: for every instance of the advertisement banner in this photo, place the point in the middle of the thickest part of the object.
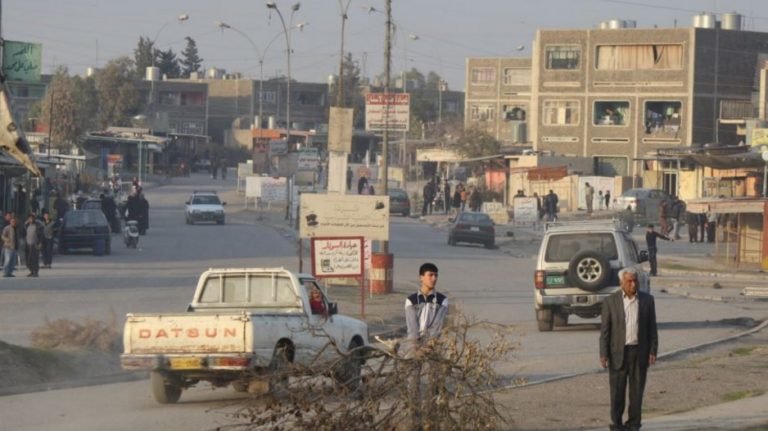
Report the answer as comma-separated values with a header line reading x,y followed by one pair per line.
x,y
390,111
22,61
340,130
337,257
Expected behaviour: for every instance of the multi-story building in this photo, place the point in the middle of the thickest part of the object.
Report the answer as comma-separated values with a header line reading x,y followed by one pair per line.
x,y
498,97
175,106
617,94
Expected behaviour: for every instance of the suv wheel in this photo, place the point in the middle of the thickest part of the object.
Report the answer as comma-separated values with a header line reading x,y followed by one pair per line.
x,y
589,270
545,319
560,318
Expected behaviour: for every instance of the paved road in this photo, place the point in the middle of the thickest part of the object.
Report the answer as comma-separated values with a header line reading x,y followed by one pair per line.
x,y
160,276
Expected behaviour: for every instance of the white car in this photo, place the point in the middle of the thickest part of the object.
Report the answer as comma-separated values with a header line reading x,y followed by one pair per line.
x,y
204,207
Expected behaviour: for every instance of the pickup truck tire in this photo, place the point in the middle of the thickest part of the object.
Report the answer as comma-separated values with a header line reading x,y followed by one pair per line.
x,y
545,320
163,389
281,360
348,371
589,270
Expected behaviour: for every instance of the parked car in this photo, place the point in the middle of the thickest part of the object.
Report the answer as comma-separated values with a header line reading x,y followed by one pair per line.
x,y
87,228
92,204
472,227
204,206
399,202
578,268
643,202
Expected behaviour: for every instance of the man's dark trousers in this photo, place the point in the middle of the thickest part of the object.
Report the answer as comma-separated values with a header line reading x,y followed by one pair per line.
x,y
631,371
33,259
652,260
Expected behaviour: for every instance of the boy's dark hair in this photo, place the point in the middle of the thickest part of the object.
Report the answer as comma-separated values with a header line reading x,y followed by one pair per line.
x,y
650,225
431,267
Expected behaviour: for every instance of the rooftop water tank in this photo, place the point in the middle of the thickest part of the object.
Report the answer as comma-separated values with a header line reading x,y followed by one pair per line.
x,y
705,20
152,73
614,24
731,21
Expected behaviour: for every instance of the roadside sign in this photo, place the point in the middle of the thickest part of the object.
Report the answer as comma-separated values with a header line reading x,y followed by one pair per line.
x,y
308,159
337,257
390,111
324,215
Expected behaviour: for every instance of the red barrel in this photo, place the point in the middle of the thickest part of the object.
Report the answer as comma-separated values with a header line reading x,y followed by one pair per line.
x,y
381,274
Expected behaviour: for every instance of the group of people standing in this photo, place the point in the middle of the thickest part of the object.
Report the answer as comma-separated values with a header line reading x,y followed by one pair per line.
x,y
603,198
438,194
672,213
33,238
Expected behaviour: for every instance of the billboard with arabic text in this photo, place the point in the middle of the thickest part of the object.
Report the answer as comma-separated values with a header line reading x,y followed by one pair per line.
x,y
22,61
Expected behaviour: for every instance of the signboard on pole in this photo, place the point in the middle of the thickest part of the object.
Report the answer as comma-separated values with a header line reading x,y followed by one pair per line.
x,y
337,257
324,215
22,61
308,159
390,111
340,130
525,210
267,188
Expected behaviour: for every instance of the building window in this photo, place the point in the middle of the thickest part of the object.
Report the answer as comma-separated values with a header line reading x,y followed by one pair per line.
x,y
483,75
663,117
309,98
171,98
481,112
514,112
611,113
451,106
515,76
189,98
639,57
561,112
563,57
269,96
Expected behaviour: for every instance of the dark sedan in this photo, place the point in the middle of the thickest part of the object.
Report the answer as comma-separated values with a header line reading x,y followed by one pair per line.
x,y
399,202
84,229
472,227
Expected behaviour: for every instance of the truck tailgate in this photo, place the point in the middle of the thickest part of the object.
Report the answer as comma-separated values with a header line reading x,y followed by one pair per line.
x,y
187,333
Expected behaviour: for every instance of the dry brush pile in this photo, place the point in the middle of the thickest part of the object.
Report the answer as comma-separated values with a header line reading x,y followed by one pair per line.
x,y
446,385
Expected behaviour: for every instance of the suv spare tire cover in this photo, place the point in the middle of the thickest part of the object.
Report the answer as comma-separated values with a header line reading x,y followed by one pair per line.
x,y
589,270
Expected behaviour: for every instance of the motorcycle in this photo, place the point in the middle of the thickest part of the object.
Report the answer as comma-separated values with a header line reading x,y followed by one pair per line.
x,y
131,234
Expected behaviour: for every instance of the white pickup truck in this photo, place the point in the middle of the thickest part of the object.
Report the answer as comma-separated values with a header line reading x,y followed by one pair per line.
x,y
242,325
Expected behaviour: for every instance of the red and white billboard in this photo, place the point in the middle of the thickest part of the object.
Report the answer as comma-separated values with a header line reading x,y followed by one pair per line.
x,y
391,111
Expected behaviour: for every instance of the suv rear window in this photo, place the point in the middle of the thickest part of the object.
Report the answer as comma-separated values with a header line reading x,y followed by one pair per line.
x,y
561,248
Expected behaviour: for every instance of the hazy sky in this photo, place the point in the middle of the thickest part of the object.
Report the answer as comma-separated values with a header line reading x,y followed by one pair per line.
x,y
83,33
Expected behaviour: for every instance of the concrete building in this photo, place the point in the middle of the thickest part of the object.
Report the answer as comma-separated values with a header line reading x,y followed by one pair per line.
x,y
177,106
620,94
498,97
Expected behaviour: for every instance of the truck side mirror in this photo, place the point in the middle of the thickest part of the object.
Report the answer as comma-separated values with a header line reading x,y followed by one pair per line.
x,y
643,256
333,308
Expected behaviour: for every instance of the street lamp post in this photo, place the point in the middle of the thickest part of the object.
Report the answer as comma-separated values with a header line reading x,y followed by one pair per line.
x,y
273,6
343,9
404,165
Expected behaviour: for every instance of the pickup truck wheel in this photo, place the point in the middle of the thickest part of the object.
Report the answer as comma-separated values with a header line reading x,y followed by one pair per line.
x,y
281,360
165,391
348,371
589,270
545,320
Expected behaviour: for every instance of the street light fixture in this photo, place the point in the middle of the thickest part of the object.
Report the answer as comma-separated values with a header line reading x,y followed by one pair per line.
x,y
271,5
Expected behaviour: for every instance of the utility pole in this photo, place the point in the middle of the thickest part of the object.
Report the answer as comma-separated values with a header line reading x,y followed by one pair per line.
x,y
383,189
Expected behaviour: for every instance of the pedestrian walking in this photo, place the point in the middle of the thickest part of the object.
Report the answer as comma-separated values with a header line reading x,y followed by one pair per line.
x,y
425,313
550,205
664,208
476,199
10,245
711,226
600,200
361,183
702,226
48,233
677,212
539,207
629,342
34,242
650,240
428,193
447,196
350,174
607,196
457,198
589,196
692,220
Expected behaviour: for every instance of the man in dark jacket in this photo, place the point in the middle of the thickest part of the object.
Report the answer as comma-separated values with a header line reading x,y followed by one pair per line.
x,y
692,220
429,196
629,342
650,240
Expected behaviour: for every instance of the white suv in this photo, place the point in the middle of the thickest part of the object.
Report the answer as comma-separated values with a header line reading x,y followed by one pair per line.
x,y
577,269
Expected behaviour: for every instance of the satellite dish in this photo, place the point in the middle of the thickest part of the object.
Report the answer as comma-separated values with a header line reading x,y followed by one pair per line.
x,y
765,156
520,47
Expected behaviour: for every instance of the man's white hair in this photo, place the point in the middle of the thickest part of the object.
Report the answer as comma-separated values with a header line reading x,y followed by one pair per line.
x,y
628,270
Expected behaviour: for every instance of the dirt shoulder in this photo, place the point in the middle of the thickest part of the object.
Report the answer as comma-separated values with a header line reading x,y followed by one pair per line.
x,y
721,373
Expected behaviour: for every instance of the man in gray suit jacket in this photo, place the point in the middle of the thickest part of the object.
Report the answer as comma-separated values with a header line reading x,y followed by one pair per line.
x,y
629,341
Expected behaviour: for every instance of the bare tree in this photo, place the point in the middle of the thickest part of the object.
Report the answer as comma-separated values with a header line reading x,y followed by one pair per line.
x,y
454,376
